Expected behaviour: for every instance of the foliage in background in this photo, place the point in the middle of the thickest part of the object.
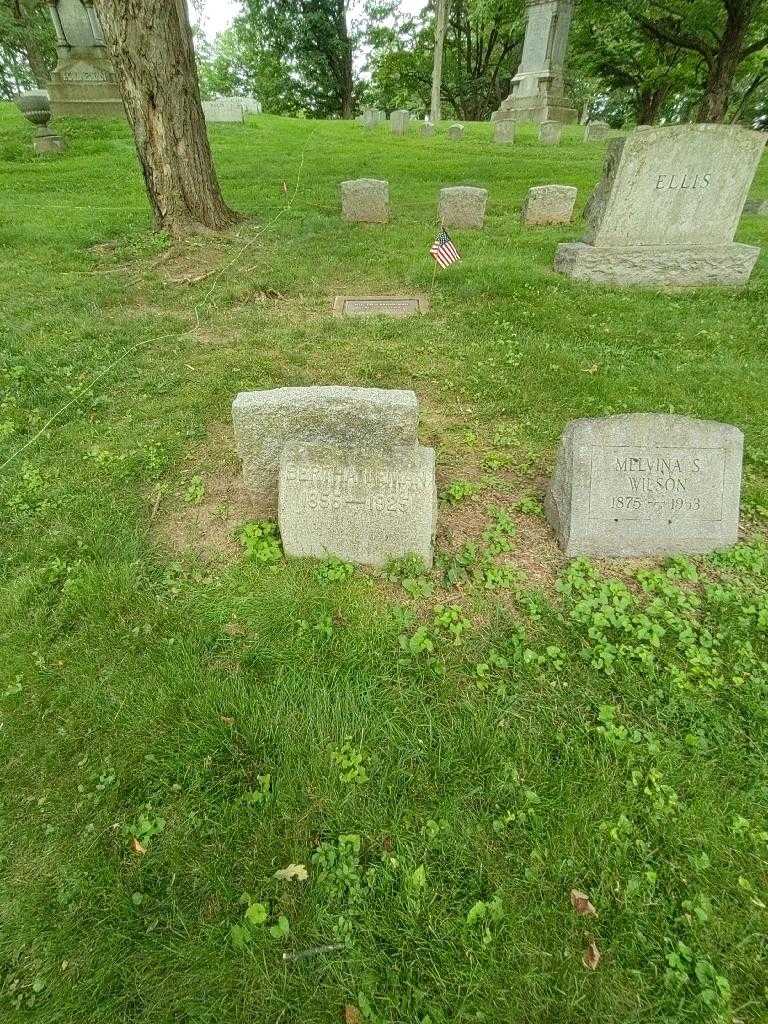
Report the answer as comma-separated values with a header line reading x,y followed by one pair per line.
x,y
27,47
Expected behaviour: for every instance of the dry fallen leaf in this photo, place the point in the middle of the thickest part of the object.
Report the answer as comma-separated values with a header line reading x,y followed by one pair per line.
x,y
234,629
592,957
285,187
136,846
293,873
227,720
581,904
352,1015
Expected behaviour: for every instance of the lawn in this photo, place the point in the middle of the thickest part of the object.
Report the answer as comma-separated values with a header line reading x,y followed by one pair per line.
x,y
448,754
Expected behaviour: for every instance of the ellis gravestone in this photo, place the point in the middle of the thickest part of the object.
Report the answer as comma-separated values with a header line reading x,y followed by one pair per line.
x,y
667,208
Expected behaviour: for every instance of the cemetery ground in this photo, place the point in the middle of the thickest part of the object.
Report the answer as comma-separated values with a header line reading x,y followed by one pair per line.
x,y
444,755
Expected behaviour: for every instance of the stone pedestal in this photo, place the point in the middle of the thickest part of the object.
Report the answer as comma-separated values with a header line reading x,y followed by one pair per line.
x,y
84,82
537,88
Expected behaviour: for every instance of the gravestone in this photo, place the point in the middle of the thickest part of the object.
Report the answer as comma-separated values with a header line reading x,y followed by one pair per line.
x,y
757,206
596,131
83,83
667,208
549,204
250,104
550,133
399,121
503,132
427,130
266,421
365,201
456,132
462,206
223,111
397,306
646,484
359,503
538,88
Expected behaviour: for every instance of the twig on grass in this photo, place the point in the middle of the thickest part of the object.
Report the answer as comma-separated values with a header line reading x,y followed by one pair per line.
x,y
302,954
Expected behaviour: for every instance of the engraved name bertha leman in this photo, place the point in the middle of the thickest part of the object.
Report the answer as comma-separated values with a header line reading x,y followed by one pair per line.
x,y
634,483
362,490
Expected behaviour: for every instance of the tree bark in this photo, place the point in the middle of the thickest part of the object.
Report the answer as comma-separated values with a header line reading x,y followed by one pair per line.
x,y
649,103
722,68
441,24
150,44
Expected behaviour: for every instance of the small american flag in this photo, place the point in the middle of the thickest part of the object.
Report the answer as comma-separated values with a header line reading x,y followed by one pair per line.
x,y
443,251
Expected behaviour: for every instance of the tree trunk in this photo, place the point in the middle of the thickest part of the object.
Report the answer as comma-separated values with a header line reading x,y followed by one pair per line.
x,y
150,44
441,24
725,61
648,105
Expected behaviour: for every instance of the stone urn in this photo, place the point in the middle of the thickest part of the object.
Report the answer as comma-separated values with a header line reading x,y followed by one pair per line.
x,y
36,107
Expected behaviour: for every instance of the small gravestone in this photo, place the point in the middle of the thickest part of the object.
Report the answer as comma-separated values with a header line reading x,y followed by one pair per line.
x,y
266,421
646,484
596,131
550,133
456,132
397,306
463,206
667,208
365,201
228,111
504,131
361,504
427,130
399,121
549,204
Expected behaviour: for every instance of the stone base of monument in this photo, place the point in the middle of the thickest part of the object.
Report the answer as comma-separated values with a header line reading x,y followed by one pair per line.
x,y
535,110
84,85
46,141
664,266
646,484
363,505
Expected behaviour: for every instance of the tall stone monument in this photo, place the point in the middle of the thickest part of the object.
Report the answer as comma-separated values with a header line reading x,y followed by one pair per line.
x,y
538,90
667,208
84,82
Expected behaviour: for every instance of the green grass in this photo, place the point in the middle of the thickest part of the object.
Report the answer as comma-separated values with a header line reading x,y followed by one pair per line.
x,y
606,732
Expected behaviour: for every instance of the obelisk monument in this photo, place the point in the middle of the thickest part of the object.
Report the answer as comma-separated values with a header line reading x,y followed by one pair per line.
x,y
538,90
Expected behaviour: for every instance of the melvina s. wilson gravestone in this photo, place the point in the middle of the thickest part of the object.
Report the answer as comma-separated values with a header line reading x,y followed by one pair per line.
x,y
646,484
667,208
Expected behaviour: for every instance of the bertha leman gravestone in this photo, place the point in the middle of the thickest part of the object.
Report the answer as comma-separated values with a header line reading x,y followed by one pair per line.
x,y
667,208
646,484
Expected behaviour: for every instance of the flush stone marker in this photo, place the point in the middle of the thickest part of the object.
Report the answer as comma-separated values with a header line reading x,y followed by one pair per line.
x,y
380,305
646,484
362,505
667,208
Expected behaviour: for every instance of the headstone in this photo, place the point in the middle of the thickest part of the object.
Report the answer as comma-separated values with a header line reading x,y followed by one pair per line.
x,y
757,206
358,503
397,306
266,421
538,88
549,204
427,129
646,484
250,104
223,111
456,132
667,208
365,201
550,133
462,206
399,120
504,131
372,116
596,131
83,83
